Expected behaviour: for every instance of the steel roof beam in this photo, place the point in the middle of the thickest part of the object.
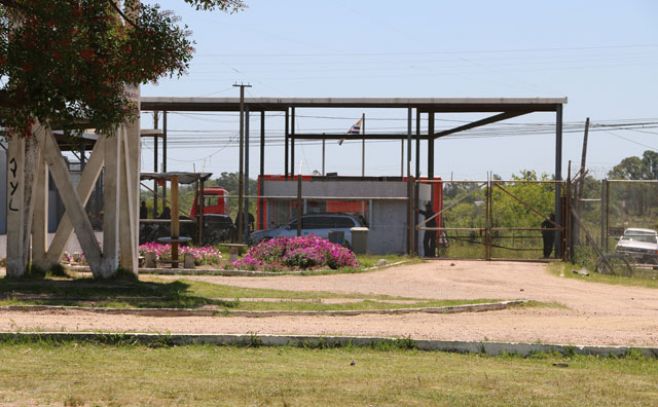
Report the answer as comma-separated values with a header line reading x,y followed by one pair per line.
x,y
481,122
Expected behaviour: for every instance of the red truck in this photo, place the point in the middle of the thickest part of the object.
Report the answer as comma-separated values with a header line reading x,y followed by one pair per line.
x,y
215,202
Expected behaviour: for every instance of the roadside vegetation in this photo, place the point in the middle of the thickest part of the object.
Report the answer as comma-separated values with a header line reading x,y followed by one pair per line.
x,y
159,293
77,374
308,255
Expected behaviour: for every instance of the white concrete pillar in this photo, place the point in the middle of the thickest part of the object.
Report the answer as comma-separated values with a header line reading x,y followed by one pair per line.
x,y
16,212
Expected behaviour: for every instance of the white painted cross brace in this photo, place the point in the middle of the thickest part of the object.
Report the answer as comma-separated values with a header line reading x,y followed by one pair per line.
x,y
74,207
86,185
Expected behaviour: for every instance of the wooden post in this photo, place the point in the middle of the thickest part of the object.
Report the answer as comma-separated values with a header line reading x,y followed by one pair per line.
x,y
175,224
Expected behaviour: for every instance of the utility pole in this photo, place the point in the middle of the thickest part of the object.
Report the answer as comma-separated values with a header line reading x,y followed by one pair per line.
x,y
581,185
240,215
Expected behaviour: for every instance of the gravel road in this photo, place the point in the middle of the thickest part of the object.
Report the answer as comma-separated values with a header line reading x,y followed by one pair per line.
x,y
588,313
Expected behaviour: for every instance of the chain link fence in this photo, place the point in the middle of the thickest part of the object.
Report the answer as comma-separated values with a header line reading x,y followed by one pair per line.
x,y
615,224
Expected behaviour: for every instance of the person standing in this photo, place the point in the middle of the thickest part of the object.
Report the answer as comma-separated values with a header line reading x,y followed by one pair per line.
x,y
143,211
429,239
548,235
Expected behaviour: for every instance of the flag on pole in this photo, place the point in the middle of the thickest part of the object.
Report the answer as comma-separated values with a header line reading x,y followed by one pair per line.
x,y
355,130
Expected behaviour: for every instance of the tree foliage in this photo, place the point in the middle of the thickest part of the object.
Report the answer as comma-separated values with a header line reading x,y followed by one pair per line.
x,y
637,168
68,62
515,204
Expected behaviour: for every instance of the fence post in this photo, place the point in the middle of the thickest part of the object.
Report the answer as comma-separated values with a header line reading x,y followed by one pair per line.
x,y
300,204
487,220
604,214
568,237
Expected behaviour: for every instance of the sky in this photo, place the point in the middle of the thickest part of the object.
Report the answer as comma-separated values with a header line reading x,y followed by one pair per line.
x,y
602,55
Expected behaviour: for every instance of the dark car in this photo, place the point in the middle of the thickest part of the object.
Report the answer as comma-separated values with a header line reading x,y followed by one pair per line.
x,y
218,228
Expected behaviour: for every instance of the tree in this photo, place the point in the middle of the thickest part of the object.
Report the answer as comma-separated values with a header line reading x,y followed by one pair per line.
x,y
634,203
67,62
636,168
70,65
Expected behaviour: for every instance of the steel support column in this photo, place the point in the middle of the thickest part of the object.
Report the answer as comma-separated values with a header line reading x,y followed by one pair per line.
x,y
261,207
430,145
292,142
155,165
558,177
164,156
416,205
410,217
285,148
418,118
245,182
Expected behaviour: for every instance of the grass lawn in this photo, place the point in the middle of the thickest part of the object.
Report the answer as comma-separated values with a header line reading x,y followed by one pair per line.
x,y
152,292
642,278
77,374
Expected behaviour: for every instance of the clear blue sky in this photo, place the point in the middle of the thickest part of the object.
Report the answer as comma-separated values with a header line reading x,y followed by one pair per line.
x,y
602,55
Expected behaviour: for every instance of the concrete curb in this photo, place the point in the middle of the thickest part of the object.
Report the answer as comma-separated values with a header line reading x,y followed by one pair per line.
x,y
312,341
187,312
236,272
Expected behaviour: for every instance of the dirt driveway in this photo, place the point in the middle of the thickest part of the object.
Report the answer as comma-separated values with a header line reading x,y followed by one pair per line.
x,y
591,313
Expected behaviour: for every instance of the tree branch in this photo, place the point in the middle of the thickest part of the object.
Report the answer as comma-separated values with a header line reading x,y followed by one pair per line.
x,y
13,4
121,13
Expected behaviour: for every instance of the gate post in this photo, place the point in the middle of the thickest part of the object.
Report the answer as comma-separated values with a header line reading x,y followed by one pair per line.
x,y
487,220
411,224
605,195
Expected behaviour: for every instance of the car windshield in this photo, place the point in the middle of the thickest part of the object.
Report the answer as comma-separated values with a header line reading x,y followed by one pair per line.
x,y
640,236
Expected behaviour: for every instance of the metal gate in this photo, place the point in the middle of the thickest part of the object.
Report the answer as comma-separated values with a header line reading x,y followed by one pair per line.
x,y
497,219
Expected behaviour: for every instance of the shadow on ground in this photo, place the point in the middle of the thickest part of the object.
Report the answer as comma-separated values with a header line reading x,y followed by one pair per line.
x,y
87,291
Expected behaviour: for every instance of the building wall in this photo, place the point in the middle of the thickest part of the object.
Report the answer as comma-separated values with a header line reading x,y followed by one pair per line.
x,y
387,218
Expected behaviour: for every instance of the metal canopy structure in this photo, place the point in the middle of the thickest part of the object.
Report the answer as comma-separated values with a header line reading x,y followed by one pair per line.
x,y
503,109
438,105
183,177
422,108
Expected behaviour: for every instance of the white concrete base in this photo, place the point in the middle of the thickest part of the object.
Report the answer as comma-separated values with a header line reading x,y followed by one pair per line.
x,y
488,348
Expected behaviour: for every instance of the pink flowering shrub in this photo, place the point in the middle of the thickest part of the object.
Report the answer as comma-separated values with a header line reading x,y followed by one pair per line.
x,y
297,252
202,255
74,258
